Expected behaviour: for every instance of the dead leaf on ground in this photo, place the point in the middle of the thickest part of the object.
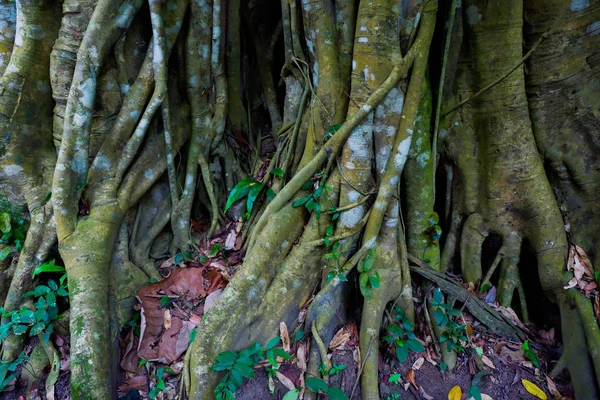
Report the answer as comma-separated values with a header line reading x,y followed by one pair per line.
x,y
411,377
417,364
285,381
552,388
487,361
285,337
158,342
340,338
533,389
424,394
212,299
486,397
167,319
139,382
455,393
301,354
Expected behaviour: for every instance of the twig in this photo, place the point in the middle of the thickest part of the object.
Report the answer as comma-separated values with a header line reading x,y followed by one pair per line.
x,y
500,79
364,361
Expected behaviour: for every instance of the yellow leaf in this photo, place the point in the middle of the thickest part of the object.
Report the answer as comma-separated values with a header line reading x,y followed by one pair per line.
x,y
455,393
533,389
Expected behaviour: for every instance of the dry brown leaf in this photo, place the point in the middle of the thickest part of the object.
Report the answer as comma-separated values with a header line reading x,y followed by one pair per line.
x,y
417,364
410,377
455,393
340,338
212,299
167,319
167,345
488,362
195,319
139,382
285,381
552,388
230,241
571,284
285,337
301,354
585,261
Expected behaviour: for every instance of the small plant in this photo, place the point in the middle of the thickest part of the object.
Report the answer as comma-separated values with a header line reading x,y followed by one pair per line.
x,y
334,370
311,202
13,234
454,334
434,231
160,383
331,131
401,336
337,267
530,354
318,385
329,229
240,365
368,282
249,188
10,368
395,378
36,321
394,396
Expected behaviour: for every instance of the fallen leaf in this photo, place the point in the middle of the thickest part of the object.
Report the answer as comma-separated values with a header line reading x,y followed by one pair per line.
x,y
418,363
425,395
410,376
301,354
490,297
285,337
552,388
271,385
488,362
469,330
486,397
533,389
167,319
212,299
571,284
230,241
139,382
190,284
195,319
285,381
455,393
340,338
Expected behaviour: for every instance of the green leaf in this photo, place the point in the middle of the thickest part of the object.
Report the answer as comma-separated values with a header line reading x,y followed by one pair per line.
x,y
48,267
415,346
19,329
440,317
443,366
5,252
37,328
365,288
395,378
193,334
5,223
51,299
270,194
438,297
39,290
401,353
316,384
239,191
474,392
308,185
26,316
164,300
291,395
369,260
62,292
282,353
272,343
160,372
52,285
277,172
300,201
374,281
335,393
299,335
252,195
48,332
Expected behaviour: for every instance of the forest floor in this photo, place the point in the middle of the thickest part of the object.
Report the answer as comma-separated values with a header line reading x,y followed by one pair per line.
x,y
169,311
